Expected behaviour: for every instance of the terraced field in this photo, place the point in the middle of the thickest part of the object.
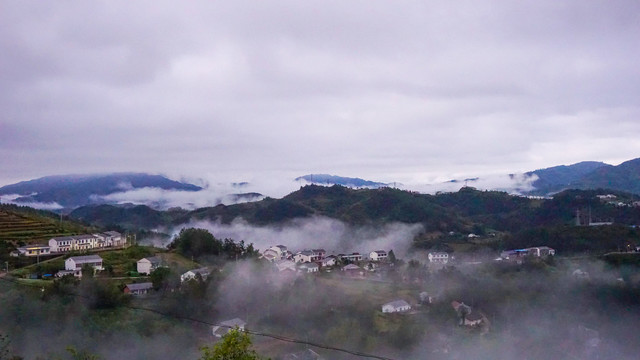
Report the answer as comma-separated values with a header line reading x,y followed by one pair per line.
x,y
29,228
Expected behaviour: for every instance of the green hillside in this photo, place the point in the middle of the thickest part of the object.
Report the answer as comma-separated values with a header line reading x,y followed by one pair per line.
x,y
24,225
501,220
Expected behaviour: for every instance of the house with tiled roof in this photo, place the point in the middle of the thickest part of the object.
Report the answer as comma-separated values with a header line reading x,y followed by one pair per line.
x,y
77,262
138,289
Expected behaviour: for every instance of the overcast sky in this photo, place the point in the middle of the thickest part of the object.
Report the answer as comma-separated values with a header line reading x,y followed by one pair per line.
x,y
408,91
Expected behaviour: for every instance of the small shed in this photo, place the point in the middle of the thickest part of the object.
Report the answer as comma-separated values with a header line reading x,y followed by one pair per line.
x,y
396,306
138,289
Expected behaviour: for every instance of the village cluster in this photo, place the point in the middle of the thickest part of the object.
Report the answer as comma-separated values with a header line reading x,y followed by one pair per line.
x,y
311,261
65,244
371,266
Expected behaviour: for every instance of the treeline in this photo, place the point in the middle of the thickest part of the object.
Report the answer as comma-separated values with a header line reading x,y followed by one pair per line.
x,y
196,243
577,239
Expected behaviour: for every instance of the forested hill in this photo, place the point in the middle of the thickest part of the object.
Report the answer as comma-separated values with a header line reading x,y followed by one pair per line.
x,y
21,225
460,211
589,175
71,191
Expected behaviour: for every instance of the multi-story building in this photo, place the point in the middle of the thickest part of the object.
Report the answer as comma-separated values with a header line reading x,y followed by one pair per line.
x,y
378,255
438,257
86,242
77,262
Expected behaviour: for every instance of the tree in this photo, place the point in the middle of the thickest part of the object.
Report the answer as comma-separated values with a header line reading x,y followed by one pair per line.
x,y
159,277
196,242
392,257
235,345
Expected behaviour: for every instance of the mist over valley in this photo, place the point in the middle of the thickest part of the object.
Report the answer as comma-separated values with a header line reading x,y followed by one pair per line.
x,y
319,180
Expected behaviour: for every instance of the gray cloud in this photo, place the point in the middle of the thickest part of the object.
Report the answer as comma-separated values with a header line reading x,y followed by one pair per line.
x,y
317,232
405,91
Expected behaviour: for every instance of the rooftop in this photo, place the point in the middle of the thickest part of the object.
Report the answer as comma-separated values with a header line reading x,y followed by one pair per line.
x,y
140,286
83,236
85,259
397,304
153,259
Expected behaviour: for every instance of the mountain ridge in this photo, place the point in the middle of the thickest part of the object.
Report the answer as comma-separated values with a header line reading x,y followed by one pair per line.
x,y
77,190
339,180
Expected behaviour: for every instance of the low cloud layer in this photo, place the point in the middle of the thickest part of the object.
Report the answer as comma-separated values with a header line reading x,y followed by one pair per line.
x,y
228,194
317,232
11,199
513,184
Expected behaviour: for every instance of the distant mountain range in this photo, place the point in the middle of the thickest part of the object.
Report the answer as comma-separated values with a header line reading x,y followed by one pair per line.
x,y
71,191
583,175
588,175
557,177
326,179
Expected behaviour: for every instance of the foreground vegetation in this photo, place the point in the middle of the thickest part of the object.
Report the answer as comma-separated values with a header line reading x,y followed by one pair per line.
x,y
539,307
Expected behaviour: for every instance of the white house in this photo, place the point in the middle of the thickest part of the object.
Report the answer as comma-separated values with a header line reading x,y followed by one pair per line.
x,y
309,267
191,274
113,238
77,262
328,261
226,326
61,244
396,306
32,250
438,257
303,256
84,242
283,265
275,253
306,256
351,257
101,240
539,251
542,251
147,265
378,255
76,273
138,289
